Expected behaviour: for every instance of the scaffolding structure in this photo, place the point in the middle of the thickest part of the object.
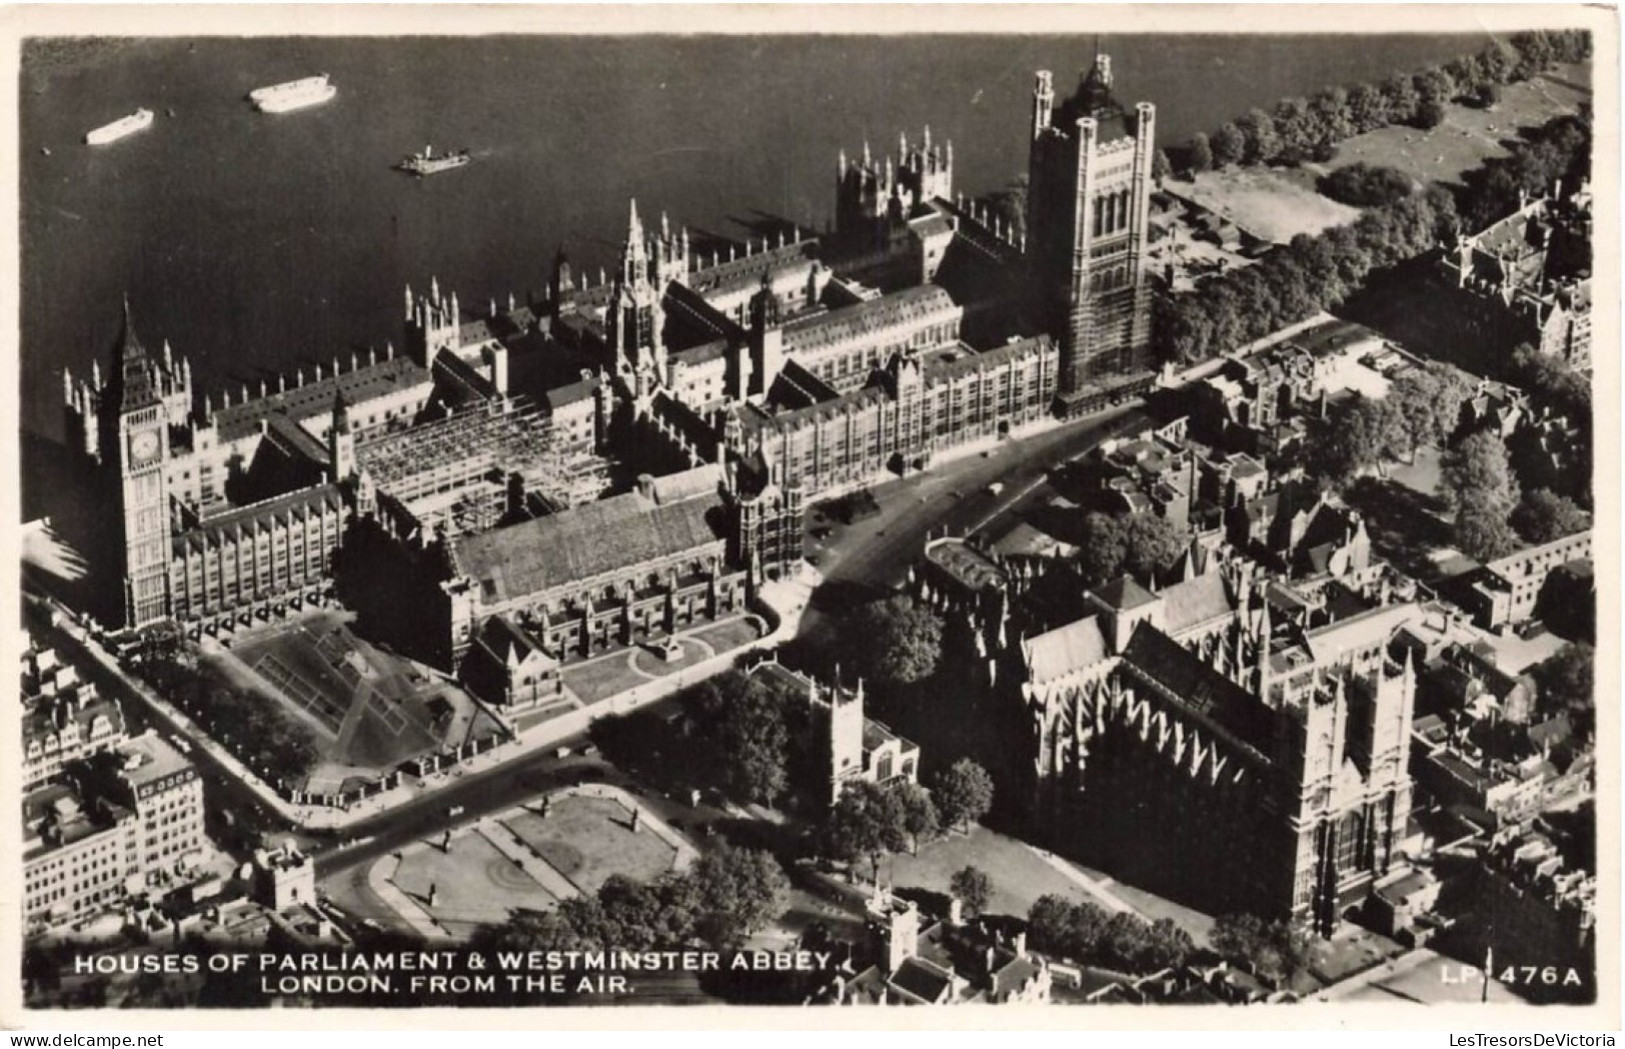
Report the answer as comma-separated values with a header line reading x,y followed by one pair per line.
x,y
459,474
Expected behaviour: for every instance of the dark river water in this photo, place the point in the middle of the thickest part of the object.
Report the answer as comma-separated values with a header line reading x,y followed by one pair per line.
x,y
253,242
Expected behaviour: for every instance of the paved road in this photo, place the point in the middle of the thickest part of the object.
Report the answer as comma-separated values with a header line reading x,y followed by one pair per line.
x,y
952,499
223,791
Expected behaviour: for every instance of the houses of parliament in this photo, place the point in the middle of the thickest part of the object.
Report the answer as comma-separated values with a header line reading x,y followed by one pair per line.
x,y
637,450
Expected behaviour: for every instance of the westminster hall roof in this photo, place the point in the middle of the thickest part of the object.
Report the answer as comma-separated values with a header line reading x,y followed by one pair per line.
x,y
586,541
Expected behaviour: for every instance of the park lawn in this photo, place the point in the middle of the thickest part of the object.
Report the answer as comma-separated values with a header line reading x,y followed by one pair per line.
x,y
1468,136
598,679
1270,204
1018,874
588,839
475,884
729,634
1420,475
657,666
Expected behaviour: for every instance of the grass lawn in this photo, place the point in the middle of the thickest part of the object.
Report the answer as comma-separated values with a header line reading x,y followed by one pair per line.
x,y
1273,205
1421,476
475,884
1406,527
1353,949
1468,135
601,678
729,634
658,666
588,839
1019,876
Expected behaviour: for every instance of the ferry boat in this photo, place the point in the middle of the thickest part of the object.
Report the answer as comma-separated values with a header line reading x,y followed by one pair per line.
x,y
140,120
295,94
426,163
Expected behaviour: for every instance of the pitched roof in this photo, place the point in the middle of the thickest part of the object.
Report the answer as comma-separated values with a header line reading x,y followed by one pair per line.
x,y
922,979
501,638
863,319
1195,601
1123,594
583,542
1058,652
1213,697
1331,643
746,270
316,398
316,499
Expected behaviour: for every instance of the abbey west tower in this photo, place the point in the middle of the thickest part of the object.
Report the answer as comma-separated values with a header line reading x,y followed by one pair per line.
x,y
1089,188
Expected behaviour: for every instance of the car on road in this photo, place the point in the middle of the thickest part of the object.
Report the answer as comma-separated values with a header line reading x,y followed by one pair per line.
x,y
996,488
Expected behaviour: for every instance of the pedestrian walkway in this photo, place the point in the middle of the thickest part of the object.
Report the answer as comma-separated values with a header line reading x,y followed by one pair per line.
x,y
512,846
384,887
1108,899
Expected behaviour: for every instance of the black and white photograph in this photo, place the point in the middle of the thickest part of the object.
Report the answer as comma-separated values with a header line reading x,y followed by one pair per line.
x,y
536,508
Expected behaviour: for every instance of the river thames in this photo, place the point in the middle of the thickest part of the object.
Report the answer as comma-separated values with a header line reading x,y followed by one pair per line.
x,y
255,242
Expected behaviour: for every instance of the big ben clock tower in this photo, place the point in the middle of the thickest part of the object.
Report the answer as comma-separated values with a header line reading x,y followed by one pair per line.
x,y
142,441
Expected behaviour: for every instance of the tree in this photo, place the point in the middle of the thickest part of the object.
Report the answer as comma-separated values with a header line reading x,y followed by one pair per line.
x,y
1542,516
1400,92
1102,548
964,793
1229,145
1200,153
1568,685
1430,114
1551,382
1151,543
1263,141
897,639
1482,530
1277,950
920,817
1368,108
743,721
1161,168
1435,85
1332,117
1168,946
1487,95
1427,402
973,888
1476,481
1056,925
1295,129
1363,186
632,913
1349,441
1476,469
741,891
866,822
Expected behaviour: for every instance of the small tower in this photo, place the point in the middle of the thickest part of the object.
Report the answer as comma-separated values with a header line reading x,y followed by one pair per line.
x,y
433,327
896,925
341,442
766,338
635,324
845,736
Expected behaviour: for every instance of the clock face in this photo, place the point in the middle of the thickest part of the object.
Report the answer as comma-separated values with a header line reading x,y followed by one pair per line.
x,y
144,446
